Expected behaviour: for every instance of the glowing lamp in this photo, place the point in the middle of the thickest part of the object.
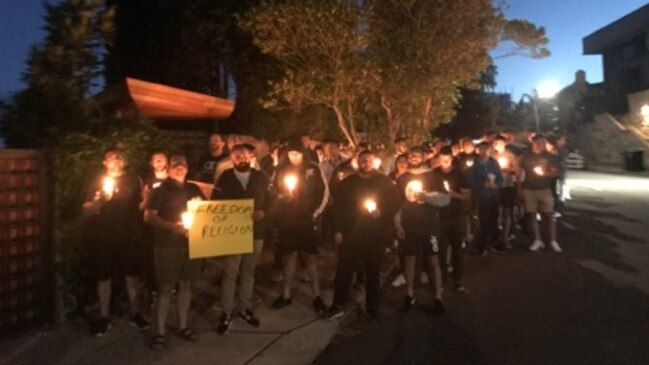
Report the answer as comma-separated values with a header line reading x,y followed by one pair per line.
x,y
187,219
370,205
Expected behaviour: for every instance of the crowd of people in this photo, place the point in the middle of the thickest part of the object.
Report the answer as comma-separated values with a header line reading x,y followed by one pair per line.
x,y
420,207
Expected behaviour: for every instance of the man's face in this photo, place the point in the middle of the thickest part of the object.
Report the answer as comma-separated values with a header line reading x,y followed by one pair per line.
x,y
445,162
216,142
241,159
178,171
483,151
295,157
306,141
401,147
415,159
233,140
366,163
114,162
159,162
468,147
539,145
499,146
331,149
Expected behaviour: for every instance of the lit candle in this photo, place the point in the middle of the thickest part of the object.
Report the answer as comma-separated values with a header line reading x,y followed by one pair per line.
x,y
291,182
539,170
370,205
156,184
447,186
414,188
503,162
109,186
469,163
377,163
188,219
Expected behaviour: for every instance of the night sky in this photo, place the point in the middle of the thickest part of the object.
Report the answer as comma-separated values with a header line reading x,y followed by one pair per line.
x,y
566,21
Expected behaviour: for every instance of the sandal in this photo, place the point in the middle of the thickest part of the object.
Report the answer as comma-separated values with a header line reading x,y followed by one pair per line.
x,y
188,335
158,343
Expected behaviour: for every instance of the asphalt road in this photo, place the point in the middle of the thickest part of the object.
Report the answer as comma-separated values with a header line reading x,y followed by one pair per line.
x,y
588,305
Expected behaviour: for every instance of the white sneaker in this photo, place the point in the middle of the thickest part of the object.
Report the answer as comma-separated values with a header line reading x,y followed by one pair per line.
x,y
423,279
557,215
399,280
537,245
555,246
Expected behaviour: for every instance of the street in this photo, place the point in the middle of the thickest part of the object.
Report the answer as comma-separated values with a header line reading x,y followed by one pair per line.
x,y
589,305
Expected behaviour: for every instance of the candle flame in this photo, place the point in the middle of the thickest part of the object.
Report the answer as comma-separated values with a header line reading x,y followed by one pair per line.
x,y
109,185
370,205
447,186
503,162
416,186
156,184
539,170
469,163
188,219
291,182
377,163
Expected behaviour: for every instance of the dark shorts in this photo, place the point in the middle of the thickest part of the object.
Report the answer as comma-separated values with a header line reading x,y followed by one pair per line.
x,y
297,239
115,258
424,244
508,197
172,264
452,232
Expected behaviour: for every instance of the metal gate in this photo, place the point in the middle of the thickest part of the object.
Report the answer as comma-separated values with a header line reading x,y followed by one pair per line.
x,y
26,270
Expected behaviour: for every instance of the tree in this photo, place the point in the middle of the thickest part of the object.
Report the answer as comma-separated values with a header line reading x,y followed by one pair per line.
x,y
320,46
60,74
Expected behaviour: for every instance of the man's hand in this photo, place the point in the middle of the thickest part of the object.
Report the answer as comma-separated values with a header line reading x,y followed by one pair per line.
x,y
375,213
401,234
420,197
338,238
258,215
178,228
489,185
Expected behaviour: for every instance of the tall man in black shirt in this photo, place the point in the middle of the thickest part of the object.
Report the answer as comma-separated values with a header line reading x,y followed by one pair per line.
x,y
114,230
364,210
242,182
211,160
417,224
172,264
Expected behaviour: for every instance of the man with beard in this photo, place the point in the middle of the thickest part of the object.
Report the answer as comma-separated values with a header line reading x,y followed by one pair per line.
x,y
300,195
417,224
210,161
113,228
451,217
242,182
364,210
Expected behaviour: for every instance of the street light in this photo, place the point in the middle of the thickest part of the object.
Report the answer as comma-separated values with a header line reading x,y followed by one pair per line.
x,y
546,90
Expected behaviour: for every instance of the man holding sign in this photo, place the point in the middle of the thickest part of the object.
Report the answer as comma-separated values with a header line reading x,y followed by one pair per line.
x,y
242,182
167,213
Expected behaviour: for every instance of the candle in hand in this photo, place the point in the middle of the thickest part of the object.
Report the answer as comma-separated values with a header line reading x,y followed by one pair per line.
x,y
447,186
416,186
377,163
370,205
155,184
109,186
539,170
291,182
187,219
503,162
469,163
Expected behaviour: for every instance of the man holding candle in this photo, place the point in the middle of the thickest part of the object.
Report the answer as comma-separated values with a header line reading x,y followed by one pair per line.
x,y
364,209
452,216
508,195
538,172
417,224
300,196
486,179
114,226
242,182
173,267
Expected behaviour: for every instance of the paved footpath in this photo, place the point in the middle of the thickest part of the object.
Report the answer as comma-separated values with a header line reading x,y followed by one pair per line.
x,y
292,335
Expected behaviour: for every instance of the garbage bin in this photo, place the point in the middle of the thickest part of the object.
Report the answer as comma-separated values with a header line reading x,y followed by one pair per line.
x,y
634,160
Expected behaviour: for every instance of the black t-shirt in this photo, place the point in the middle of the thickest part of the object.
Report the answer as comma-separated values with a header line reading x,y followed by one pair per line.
x,y
457,181
119,218
207,167
466,160
170,201
546,161
419,217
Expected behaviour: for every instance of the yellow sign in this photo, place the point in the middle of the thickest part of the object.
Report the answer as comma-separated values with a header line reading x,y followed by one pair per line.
x,y
220,228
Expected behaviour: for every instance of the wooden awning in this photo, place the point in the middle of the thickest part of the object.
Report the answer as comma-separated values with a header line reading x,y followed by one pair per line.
x,y
165,102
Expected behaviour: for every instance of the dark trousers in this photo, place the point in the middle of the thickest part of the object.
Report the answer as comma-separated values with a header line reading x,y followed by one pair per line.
x,y
352,255
488,210
451,237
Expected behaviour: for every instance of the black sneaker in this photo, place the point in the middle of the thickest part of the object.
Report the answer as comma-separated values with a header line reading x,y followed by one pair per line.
x,y
333,313
319,305
438,307
408,304
101,327
139,322
459,285
224,327
249,317
282,302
